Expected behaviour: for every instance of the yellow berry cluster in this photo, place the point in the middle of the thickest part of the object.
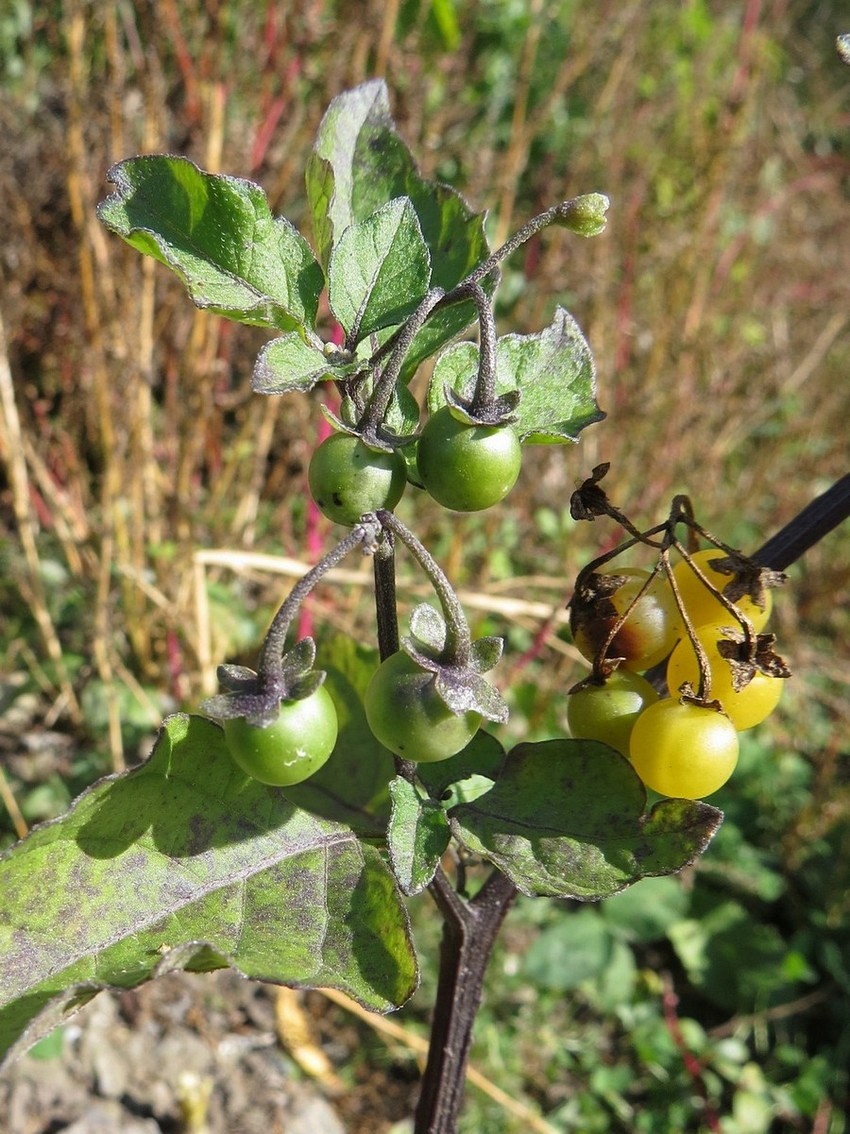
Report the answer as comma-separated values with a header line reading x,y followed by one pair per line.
x,y
702,620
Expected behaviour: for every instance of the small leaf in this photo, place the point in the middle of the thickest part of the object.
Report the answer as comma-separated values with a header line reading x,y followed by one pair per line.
x,y
566,819
218,234
482,757
379,271
236,677
299,688
359,163
553,371
298,661
418,835
288,363
186,853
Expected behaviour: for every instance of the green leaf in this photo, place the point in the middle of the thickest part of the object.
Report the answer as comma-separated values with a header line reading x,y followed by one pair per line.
x,y
218,235
379,271
446,780
553,370
428,629
288,363
359,164
565,818
736,961
418,835
575,948
187,863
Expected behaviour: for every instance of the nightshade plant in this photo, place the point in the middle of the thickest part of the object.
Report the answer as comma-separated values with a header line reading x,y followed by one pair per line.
x,y
295,869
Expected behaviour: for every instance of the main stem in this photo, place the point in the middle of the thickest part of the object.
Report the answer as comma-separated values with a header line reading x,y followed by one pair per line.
x,y
470,930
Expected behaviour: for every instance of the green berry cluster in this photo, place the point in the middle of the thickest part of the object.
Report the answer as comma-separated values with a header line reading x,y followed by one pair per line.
x,y
464,466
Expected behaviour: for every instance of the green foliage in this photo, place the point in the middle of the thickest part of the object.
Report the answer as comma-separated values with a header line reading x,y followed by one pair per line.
x,y
218,234
566,818
553,371
384,236
182,864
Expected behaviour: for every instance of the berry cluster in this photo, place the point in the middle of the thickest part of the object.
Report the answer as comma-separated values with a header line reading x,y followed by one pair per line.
x,y
464,465
680,663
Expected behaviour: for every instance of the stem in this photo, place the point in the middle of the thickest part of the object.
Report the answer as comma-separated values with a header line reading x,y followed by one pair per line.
x,y
269,665
385,596
386,616
399,344
458,637
485,384
379,400
529,229
470,930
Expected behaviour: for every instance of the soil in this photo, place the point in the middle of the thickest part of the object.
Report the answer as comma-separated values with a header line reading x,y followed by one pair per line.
x,y
192,1054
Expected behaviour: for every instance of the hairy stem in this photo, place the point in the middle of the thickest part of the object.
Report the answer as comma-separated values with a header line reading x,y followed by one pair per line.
x,y
485,385
386,613
458,638
272,652
376,407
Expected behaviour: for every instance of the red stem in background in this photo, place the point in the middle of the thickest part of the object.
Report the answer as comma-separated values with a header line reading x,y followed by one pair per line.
x,y
670,1004
314,534
185,63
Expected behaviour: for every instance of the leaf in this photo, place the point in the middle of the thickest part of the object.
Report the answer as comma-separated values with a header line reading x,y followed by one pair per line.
x,y
647,910
737,962
553,370
418,835
482,757
359,163
187,863
219,236
464,691
379,271
575,948
565,818
288,363
486,653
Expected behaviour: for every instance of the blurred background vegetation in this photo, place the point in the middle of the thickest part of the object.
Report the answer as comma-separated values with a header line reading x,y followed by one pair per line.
x,y
136,462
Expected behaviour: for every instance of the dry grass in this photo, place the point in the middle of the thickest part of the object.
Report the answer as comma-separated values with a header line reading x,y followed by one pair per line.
x,y
716,303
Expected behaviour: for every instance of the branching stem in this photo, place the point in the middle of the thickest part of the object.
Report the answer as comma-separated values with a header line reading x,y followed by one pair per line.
x,y
458,638
269,665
